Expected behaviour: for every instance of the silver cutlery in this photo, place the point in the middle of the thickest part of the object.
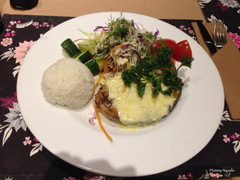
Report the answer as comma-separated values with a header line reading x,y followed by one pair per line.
x,y
207,38
219,35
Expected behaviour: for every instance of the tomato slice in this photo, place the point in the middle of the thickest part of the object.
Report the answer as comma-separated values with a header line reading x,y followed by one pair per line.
x,y
156,44
181,49
171,43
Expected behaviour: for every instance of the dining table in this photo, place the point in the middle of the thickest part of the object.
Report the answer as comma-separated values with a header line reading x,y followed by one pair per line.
x,y
24,157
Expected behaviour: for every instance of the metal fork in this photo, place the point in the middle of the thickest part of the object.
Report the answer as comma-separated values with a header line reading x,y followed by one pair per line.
x,y
219,36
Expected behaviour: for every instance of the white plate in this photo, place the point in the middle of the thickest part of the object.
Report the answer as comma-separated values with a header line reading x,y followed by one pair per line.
x,y
69,135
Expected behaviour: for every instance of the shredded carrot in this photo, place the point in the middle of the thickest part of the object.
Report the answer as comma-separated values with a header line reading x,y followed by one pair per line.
x,y
114,48
114,56
100,76
100,123
105,70
124,88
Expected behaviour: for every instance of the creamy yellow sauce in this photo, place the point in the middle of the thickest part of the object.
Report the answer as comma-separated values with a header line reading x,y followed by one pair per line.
x,y
132,109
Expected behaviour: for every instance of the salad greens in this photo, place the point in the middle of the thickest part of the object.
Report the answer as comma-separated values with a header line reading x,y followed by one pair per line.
x,y
123,46
134,43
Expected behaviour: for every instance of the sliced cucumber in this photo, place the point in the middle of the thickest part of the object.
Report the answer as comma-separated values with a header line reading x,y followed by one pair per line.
x,y
87,46
70,48
84,57
100,63
93,66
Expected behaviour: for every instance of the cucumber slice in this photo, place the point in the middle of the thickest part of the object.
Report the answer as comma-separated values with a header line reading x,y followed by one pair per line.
x,y
84,57
100,63
87,46
70,48
93,66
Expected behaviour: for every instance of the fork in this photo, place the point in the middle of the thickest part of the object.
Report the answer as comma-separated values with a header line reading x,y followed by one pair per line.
x,y
219,36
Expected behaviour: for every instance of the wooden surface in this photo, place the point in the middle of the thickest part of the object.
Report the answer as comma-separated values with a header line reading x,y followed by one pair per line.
x,y
228,69
164,9
1,5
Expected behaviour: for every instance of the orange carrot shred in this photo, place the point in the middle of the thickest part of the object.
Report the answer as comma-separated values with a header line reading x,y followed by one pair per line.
x,y
100,123
124,88
113,49
105,66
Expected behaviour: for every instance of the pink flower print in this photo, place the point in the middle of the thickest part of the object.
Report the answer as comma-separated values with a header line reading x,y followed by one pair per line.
x,y
8,101
226,139
27,141
12,22
182,177
7,34
233,137
6,41
181,27
237,135
19,22
35,23
189,175
224,8
44,24
21,51
191,31
236,38
35,139
9,26
13,33
70,178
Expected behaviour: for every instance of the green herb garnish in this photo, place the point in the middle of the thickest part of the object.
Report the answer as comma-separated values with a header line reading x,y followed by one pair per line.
x,y
158,70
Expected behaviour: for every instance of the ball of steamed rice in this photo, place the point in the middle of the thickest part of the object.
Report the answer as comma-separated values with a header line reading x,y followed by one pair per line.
x,y
68,82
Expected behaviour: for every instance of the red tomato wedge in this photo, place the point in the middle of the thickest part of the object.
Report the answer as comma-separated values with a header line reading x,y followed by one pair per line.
x,y
181,49
157,44
171,43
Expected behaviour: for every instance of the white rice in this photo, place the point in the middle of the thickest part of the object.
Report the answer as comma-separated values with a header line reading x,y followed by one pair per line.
x,y
68,82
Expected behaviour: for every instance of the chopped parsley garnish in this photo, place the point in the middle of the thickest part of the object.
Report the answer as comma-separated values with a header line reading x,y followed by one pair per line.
x,y
158,70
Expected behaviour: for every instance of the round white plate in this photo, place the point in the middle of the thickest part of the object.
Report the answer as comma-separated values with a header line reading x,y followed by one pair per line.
x,y
69,135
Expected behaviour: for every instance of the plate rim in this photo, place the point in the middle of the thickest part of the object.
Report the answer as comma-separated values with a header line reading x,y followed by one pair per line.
x,y
94,14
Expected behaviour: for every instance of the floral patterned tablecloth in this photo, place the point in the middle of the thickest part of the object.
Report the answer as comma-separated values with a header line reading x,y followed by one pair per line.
x,y
22,156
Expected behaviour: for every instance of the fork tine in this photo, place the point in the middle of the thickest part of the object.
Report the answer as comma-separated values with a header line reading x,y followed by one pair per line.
x,y
219,35
223,34
220,38
215,34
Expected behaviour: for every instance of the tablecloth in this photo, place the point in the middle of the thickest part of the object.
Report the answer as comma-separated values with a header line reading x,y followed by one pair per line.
x,y
22,156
